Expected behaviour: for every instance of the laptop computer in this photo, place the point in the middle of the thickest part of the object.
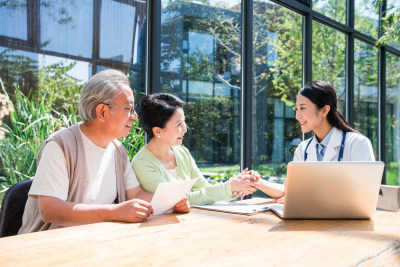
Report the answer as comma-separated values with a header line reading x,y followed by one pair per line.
x,y
331,190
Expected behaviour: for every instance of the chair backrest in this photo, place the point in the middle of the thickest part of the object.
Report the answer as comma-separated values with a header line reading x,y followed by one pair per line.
x,y
12,208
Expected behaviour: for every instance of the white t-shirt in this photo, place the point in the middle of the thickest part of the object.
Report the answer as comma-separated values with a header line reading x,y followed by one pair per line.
x,y
51,178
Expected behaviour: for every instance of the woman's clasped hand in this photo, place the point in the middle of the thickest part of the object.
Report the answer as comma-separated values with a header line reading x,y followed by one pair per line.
x,y
245,183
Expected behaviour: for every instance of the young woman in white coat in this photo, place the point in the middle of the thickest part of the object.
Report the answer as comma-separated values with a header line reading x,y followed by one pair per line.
x,y
333,140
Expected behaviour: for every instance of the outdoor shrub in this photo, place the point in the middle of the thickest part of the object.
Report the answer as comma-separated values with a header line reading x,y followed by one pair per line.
x,y
31,122
134,141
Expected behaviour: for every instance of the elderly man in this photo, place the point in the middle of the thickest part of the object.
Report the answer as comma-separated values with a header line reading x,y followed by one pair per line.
x,y
83,170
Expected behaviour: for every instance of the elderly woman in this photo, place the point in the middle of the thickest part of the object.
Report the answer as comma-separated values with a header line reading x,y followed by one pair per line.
x,y
164,159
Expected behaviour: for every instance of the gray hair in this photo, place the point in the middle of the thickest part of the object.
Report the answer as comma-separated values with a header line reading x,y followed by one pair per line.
x,y
103,88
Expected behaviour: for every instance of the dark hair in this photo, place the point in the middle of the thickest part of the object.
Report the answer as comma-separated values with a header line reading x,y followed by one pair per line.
x,y
321,94
156,110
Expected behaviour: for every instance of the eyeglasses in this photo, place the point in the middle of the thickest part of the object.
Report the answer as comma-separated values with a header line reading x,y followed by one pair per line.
x,y
131,110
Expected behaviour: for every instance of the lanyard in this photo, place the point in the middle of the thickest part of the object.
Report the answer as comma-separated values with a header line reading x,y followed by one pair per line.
x,y
340,152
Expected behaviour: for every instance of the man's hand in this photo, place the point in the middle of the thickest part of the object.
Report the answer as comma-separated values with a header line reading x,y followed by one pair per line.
x,y
182,206
134,210
64,213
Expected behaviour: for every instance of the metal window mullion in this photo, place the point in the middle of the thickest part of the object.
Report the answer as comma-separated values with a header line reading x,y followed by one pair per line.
x,y
350,65
247,85
382,95
96,35
153,47
307,54
33,27
307,48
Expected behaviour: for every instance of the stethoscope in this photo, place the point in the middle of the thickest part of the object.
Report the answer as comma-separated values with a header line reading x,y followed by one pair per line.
x,y
340,151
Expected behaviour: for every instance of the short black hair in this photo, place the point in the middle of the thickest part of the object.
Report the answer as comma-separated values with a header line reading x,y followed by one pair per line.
x,y
156,110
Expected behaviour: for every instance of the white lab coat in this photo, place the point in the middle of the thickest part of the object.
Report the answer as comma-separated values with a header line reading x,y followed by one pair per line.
x,y
356,148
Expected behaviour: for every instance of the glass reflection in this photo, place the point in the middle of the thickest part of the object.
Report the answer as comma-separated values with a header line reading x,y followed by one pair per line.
x,y
335,9
392,119
329,60
366,91
366,17
19,68
13,16
277,68
67,27
200,62
118,42
37,74
392,6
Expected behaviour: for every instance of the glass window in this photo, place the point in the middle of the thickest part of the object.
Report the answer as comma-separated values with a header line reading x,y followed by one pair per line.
x,y
329,60
117,42
335,9
366,91
200,62
67,27
13,16
18,68
78,70
100,68
35,74
277,68
366,17
392,146
394,5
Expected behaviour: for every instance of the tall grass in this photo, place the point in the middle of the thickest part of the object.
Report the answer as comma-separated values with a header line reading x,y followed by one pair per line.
x,y
29,125
31,122
134,141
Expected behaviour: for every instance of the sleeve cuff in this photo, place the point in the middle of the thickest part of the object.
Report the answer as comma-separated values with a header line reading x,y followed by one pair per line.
x,y
228,191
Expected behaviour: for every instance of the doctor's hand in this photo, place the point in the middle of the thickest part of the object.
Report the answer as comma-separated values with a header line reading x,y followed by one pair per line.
x,y
241,185
250,175
280,200
182,206
134,210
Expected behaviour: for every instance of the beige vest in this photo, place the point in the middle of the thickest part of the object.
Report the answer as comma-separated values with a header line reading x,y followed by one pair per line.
x,y
70,142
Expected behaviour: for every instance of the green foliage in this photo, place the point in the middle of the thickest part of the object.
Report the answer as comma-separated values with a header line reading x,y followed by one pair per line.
x,y
265,170
329,58
219,109
31,122
392,173
390,26
214,116
62,89
335,9
220,178
134,141
39,113
18,70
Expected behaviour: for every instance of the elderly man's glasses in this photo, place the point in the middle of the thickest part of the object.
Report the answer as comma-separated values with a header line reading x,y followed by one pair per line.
x,y
131,110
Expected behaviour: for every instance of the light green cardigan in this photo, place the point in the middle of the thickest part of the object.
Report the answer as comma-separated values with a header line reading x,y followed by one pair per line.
x,y
150,172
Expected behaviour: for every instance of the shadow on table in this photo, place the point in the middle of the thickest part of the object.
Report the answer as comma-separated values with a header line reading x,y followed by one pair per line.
x,y
324,225
162,219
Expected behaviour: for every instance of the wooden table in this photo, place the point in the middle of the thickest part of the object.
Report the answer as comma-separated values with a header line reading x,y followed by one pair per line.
x,y
206,238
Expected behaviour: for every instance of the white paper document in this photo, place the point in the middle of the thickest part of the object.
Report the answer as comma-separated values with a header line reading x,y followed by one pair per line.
x,y
234,207
168,194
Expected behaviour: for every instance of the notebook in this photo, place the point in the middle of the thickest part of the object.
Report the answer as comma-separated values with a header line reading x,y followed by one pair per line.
x,y
331,190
